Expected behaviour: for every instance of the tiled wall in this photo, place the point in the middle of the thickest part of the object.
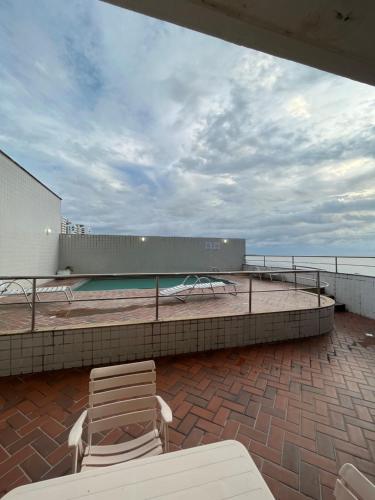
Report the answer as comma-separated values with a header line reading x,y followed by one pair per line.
x,y
98,253
43,351
355,291
29,223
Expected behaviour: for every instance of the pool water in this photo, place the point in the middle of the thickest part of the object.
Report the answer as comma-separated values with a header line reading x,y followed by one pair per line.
x,y
97,284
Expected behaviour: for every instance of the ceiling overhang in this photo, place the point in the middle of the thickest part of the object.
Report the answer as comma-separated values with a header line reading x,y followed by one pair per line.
x,y
337,36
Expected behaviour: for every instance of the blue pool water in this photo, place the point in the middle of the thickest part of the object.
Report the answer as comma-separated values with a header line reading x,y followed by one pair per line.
x,y
97,284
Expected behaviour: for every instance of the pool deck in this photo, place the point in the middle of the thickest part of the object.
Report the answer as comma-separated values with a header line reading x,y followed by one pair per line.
x,y
122,306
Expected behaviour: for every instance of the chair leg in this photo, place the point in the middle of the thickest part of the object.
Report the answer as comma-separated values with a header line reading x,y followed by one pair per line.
x,y
75,460
27,299
166,438
67,297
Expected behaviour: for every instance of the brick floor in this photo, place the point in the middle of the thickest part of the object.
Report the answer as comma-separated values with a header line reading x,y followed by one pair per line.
x,y
123,306
301,408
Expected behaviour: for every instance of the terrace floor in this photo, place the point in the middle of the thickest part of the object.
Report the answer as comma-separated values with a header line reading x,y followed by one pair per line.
x,y
121,306
302,408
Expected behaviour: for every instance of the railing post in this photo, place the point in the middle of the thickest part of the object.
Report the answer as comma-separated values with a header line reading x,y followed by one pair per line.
x,y
292,261
157,298
250,291
336,271
33,300
295,277
264,261
318,285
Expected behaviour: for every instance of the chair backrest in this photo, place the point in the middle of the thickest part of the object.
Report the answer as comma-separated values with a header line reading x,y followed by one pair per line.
x,y
353,485
121,395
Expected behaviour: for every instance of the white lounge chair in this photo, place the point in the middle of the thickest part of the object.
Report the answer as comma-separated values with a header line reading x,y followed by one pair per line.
x,y
201,283
8,288
353,485
119,396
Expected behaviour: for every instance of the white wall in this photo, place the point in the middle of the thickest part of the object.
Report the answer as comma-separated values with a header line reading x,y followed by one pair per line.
x,y
355,291
27,210
95,254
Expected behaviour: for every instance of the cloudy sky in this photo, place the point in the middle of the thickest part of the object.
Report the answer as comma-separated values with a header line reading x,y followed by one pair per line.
x,y
147,128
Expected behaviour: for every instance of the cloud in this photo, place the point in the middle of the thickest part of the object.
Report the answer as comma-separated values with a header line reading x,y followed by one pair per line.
x,y
147,128
298,107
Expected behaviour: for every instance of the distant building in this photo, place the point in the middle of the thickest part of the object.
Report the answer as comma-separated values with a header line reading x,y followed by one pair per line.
x,y
68,227
64,225
81,229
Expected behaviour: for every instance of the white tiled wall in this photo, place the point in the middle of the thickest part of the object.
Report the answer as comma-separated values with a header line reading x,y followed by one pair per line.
x,y
29,223
43,351
355,291
98,253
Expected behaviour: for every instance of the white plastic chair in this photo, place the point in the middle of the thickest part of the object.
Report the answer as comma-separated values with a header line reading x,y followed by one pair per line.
x,y
119,396
353,485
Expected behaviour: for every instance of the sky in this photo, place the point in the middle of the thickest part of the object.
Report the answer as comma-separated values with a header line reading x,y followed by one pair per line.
x,y
146,128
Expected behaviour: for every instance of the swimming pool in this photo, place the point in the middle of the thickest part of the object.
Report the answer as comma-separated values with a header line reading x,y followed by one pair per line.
x,y
98,284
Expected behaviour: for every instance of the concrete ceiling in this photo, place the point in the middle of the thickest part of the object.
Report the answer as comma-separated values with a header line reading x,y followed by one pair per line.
x,y
333,35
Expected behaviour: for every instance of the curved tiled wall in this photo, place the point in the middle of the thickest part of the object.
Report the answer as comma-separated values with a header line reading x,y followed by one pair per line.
x,y
68,348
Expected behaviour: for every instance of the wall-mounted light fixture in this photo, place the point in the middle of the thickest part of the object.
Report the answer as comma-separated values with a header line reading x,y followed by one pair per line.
x,y
48,230
143,238
225,241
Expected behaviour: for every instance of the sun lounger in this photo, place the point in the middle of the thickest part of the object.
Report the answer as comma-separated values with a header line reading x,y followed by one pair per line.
x,y
9,288
201,283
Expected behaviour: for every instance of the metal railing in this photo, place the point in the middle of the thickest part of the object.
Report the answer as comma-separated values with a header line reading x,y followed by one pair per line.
x,y
331,263
156,296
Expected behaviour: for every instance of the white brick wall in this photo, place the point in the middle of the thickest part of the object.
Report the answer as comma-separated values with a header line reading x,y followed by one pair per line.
x,y
43,351
126,254
355,291
27,209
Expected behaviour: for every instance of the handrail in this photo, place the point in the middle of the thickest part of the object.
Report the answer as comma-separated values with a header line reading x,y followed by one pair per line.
x,y
323,284
319,256
200,275
329,266
140,275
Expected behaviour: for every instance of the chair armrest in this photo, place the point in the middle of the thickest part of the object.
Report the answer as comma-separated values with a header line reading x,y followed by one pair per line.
x,y
14,282
75,434
166,412
352,482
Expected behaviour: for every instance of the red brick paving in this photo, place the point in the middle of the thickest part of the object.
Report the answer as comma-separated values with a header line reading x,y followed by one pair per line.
x,y
302,409
123,306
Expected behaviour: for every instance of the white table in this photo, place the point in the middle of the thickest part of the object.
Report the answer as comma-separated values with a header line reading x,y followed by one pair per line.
x,y
221,470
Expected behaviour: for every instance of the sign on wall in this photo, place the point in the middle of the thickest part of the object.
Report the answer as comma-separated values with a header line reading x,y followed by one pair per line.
x,y
212,245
